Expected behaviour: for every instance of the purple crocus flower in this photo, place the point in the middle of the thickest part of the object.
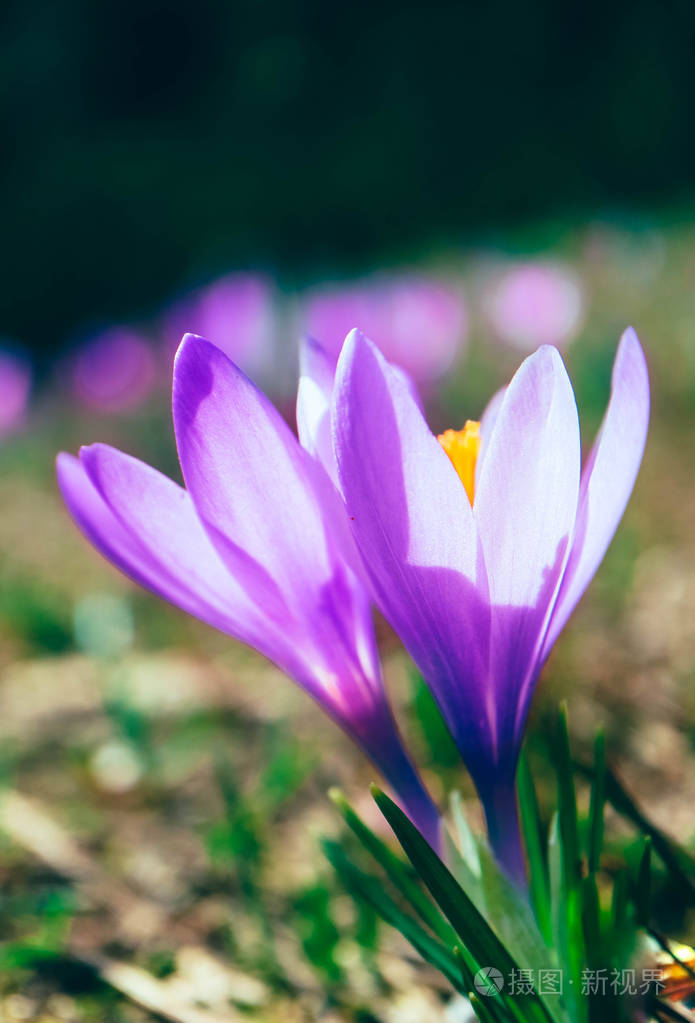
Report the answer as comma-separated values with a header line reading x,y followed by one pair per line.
x,y
479,544
237,311
533,304
15,387
257,545
419,324
112,372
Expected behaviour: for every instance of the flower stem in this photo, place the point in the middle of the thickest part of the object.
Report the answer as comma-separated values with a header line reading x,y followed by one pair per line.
x,y
502,819
402,776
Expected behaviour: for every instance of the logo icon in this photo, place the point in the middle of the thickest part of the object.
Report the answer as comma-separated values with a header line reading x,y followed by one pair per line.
x,y
488,981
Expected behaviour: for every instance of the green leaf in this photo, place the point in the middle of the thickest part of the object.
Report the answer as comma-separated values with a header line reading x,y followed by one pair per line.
x,y
566,887
591,919
398,872
598,796
509,912
568,935
313,922
468,846
484,1008
567,803
619,901
287,766
371,889
441,746
489,1008
643,889
476,934
503,905
555,863
675,858
463,859
466,965
532,828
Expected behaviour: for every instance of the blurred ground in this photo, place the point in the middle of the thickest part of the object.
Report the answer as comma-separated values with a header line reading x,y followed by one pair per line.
x,y
165,790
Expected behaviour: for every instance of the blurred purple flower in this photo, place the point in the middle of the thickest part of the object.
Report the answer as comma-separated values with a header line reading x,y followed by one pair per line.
x,y
257,545
15,388
478,579
419,324
236,311
535,304
112,372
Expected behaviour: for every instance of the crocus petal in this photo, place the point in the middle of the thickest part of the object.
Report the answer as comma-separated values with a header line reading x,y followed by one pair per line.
x,y
141,534
262,498
487,425
525,508
160,513
253,485
315,624
102,528
317,372
415,530
608,477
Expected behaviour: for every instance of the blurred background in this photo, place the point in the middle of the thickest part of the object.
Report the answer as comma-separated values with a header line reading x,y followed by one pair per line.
x,y
463,181
149,146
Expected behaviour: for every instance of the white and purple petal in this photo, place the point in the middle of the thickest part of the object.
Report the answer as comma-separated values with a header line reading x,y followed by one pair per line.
x,y
258,547
525,509
314,397
415,530
608,477
137,518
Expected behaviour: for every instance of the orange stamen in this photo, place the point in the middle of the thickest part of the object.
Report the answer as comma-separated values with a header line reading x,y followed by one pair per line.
x,y
462,447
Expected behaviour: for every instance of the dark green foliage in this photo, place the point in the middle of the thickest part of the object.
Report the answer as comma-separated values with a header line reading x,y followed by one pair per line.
x,y
317,930
441,747
35,615
583,922
677,860
371,888
598,795
534,841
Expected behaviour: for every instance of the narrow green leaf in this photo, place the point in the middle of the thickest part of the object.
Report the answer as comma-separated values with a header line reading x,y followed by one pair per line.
x,y
370,888
505,907
598,796
568,938
464,917
495,1005
566,884
483,1009
463,858
675,858
475,932
555,865
471,885
567,803
508,910
642,892
591,920
467,966
621,927
619,902
399,872
492,1005
467,842
532,830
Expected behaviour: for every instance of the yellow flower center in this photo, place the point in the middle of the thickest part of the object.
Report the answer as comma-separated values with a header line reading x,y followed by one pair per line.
x,y
462,447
